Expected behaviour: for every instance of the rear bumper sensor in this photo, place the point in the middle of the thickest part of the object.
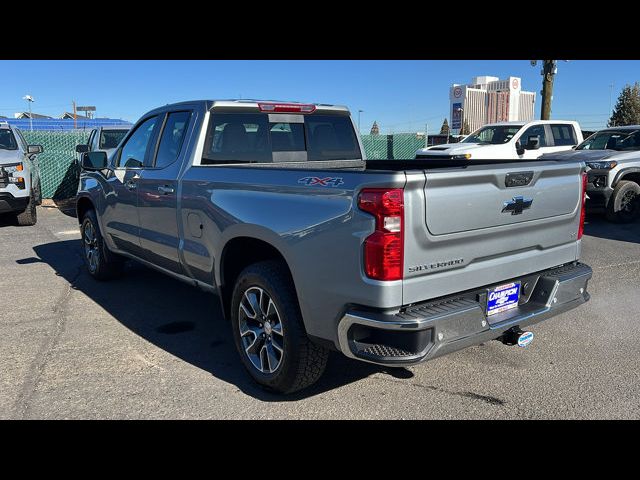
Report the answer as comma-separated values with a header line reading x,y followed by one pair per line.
x,y
428,330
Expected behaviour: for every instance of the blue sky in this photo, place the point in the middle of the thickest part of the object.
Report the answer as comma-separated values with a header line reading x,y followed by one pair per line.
x,y
399,95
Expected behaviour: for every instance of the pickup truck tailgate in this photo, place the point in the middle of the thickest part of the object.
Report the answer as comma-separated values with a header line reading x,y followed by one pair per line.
x,y
473,226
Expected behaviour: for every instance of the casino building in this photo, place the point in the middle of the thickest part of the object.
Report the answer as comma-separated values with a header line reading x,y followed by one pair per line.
x,y
488,100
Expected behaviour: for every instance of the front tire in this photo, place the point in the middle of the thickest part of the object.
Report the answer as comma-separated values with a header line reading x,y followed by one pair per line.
x,y
268,330
624,204
30,215
100,262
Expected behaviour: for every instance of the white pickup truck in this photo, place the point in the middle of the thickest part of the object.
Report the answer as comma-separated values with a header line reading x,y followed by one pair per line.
x,y
510,140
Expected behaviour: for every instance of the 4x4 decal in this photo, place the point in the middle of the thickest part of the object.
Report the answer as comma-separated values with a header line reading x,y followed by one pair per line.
x,y
322,182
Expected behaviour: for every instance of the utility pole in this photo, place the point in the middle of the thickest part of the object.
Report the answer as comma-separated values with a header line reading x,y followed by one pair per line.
x,y
549,70
75,115
610,99
359,112
426,135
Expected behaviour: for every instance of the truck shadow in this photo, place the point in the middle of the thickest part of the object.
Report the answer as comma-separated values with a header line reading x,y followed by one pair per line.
x,y
7,220
185,322
596,225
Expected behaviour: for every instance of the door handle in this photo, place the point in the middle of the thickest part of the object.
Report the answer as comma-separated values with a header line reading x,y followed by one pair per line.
x,y
166,190
131,184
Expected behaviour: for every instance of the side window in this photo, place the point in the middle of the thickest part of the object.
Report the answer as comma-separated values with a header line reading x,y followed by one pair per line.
x,y
237,138
22,140
563,135
631,142
172,138
135,149
90,139
532,132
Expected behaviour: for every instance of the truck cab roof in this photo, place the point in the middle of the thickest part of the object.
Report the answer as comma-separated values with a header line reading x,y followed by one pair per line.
x,y
531,122
254,105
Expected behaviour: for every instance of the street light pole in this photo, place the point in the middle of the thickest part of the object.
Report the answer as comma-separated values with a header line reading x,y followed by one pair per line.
x,y
29,100
359,129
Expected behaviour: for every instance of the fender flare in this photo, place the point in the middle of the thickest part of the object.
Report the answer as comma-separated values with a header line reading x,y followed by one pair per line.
x,y
620,175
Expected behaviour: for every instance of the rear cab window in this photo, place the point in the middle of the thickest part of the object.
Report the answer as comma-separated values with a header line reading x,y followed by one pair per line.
x,y
111,138
240,138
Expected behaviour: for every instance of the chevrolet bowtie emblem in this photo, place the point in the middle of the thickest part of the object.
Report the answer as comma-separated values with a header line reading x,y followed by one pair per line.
x,y
516,205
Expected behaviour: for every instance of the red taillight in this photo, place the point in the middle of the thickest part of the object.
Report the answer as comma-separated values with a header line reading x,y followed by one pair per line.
x,y
583,206
286,107
384,248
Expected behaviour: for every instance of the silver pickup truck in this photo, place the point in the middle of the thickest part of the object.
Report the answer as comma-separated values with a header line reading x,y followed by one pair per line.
x,y
311,248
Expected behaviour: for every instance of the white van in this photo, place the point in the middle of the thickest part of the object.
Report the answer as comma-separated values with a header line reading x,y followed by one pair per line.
x,y
509,140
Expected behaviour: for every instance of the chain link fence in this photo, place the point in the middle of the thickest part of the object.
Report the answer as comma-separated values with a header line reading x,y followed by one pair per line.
x,y
58,169
397,146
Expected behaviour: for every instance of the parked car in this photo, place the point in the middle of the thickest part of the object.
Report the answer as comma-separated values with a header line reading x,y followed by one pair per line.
x,y
311,247
20,190
613,158
104,139
509,140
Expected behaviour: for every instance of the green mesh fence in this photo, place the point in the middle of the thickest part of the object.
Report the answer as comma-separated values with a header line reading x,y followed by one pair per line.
x,y
398,146
58,171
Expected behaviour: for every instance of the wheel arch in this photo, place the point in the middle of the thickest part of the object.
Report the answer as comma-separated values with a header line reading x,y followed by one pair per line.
x,y
83,204
238,253
632,174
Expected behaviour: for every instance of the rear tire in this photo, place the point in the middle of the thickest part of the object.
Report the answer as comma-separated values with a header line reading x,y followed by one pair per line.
x,y
624,204
30,215
100,262
268,330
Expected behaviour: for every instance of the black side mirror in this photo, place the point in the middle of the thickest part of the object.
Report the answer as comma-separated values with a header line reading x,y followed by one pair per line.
x,y
34,149
93,161
82,148
519,148
533,143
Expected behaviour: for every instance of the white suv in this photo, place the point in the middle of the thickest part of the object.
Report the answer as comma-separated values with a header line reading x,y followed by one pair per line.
x,y
19,176
509,140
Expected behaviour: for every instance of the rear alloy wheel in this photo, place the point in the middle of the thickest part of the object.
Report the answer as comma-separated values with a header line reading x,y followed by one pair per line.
x,y
261,330
268,330
623,206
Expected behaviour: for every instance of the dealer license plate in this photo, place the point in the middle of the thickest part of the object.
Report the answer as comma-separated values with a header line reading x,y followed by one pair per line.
x,y
502,298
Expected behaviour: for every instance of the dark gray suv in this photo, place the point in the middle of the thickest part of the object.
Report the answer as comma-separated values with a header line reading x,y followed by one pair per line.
x,y
612,156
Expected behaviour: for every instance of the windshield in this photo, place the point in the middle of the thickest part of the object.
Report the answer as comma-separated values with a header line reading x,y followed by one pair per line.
x,y
493,135
7,140
612,140
111,138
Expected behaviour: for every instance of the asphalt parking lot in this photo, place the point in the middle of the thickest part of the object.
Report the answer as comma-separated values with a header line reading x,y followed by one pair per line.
x,y
147,346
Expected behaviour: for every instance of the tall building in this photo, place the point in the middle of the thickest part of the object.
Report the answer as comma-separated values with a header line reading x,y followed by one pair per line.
x,y
487,100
